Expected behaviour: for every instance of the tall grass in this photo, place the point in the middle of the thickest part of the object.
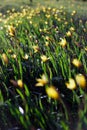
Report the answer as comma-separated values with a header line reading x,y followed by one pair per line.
x,y
43,68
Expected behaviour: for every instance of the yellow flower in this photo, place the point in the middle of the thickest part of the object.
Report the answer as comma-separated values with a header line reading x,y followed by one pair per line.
x,y
66,23
26,57
30,22
71,84
63,42
84,29
59,19
5,58
47,38
68,34
14,56
47,44
0,14
44,58
52,92
40,30
49,8
20,83
73,13
9,51
85,48
8,11
54,9
76,62
11,30
36,48
13,9
72,29
42,81
48,15
81,80
46,22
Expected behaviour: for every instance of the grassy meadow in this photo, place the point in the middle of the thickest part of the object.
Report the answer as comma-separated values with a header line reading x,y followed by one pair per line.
x,y
43,66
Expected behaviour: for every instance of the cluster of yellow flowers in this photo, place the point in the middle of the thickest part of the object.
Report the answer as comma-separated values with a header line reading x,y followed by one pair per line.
x,y
80,80
50,89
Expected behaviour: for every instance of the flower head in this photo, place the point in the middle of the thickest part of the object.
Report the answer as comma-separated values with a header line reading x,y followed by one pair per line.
x,y
20,83
26,57
42,81
52,92
72,29
68,34
76,63
11,30
63,42
73,13
71,84
44,58
14,56
47,38
5,58
36,48
81,80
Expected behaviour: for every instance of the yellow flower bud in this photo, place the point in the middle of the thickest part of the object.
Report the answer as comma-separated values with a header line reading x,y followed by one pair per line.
x,y
20,83
68,34
11,30
44,58
72,29
63,42
5,58
76,62
42,81
52,92
47,38
81,80
14,56
26,57
36,48
71,84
